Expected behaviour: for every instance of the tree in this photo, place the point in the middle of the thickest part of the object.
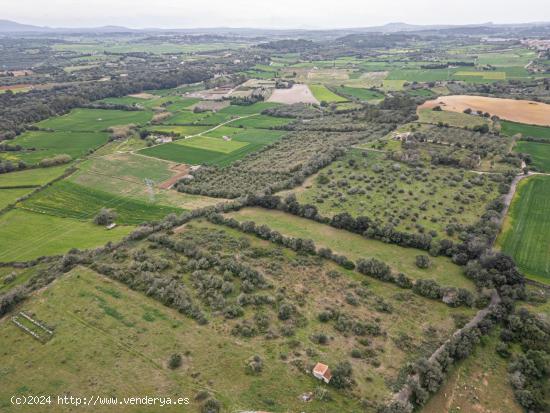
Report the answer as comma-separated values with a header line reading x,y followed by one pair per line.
x,y
422,261
175,361
105,217
341,375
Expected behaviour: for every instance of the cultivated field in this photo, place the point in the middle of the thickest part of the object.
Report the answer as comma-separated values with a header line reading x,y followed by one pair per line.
x,y
298,93
31,177
540,154
526,230
323,94
51,235
94,120
522,111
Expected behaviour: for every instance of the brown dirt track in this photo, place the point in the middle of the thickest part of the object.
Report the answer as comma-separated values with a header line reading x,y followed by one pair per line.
x,y
523,111
181,170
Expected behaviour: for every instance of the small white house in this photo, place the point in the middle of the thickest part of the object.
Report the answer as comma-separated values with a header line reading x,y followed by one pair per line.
x,y
226,138
163,139
111,225
322,372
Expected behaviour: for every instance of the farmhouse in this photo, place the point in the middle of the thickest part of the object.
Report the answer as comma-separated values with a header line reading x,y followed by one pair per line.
x,y
322,372
163,139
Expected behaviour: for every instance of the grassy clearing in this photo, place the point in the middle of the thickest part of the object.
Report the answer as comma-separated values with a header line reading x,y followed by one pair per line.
x,y
26,235
526,230
69,200
38,145
38,176
459,120
513,128
355,246
322,93
540,153
94,120
477,384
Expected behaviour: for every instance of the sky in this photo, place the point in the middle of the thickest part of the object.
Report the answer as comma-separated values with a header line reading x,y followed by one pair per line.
x,y
306,14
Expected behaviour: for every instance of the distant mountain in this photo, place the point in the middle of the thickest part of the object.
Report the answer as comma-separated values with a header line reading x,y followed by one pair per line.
x,y
8,26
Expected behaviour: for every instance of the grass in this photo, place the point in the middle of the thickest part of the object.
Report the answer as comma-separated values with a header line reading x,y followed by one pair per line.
x,y
26,235
355,246
260,122
9,196
39,145
513,128
526,230
212,144
94,120
108,331
35,177
540,153
360,93
184,118
397,194
459,120
181,152
322,93
181,130
241,110
69,200
477,384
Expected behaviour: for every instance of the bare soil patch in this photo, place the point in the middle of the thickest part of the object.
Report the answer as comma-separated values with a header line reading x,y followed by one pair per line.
x,y
181,170
296,94
523,111
146,96
214,105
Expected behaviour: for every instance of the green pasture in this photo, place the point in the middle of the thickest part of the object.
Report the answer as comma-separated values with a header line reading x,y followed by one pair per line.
x,y
513,128
540,153
26,235
322,93
360,93
34,177
69,200
526,230
94,120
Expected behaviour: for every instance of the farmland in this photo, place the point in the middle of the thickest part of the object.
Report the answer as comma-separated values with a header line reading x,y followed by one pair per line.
x,y
69,200
539,152
406,197
94,120
522,111
322,93
39,145
527,227
280,198
51,235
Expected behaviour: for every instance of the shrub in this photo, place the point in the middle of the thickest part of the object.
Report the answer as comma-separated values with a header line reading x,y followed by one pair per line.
x,y
422,261
175,361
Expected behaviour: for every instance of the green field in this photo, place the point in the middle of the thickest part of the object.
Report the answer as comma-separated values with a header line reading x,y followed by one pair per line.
x,y
9,196
95,120
360,93
212,144
69,200
322,93
27,235
355,246
35,177
459,120
244,141
526,230
185,118
241,110
182,130
260,122
540,153
513,128
38,145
